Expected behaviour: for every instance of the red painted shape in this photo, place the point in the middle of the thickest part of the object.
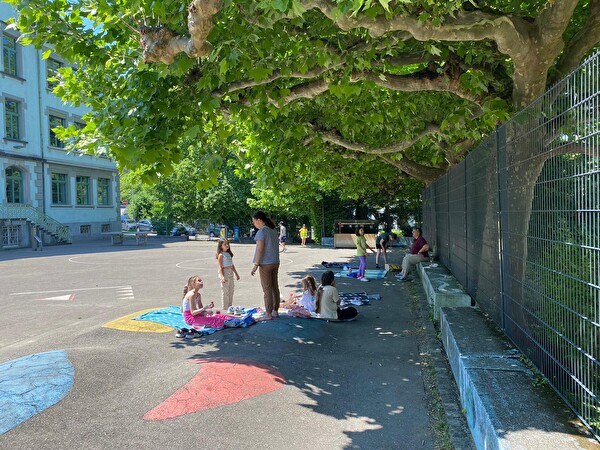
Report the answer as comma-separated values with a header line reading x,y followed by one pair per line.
x,y
218,382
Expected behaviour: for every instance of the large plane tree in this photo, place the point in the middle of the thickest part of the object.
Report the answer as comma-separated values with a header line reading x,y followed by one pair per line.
x,y
347,95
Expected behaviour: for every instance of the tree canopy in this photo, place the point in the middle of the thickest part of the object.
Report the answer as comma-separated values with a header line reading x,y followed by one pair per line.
x,y
350,97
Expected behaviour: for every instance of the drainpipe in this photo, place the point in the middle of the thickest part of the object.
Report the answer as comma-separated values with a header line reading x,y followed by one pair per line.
x,y
41,116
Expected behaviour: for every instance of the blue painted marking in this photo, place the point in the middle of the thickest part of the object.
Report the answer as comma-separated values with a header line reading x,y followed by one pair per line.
x,y
30,384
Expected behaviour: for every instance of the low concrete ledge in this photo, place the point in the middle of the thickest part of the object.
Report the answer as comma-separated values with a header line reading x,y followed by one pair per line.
x,y
504,409
441,288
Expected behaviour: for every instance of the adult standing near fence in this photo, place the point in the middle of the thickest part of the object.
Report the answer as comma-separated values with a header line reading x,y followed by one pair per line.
x,y
381,244
418,253
266,261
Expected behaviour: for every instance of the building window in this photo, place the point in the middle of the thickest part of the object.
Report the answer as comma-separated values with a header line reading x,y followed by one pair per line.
x,y
59,189
104,192
83,190
52,66
14,185
105,227
85,229
55,122
9,55
79,126
10,235
12,111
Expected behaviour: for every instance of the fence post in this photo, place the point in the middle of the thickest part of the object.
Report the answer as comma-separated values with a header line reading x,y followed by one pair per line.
x,y
503,247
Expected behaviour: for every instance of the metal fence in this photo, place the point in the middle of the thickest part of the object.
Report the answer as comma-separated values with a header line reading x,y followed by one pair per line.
x,y
518,223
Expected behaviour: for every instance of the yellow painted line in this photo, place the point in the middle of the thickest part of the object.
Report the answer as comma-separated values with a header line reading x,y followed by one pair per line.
x,y
126,323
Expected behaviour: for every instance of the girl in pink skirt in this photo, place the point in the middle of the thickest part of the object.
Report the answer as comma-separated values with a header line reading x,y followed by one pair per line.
x,y
194,313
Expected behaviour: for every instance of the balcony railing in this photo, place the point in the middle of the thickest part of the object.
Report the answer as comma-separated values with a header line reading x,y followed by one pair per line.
x,y
36,217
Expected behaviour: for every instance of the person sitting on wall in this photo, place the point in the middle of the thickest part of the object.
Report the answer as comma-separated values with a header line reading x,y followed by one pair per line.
x,y
418,253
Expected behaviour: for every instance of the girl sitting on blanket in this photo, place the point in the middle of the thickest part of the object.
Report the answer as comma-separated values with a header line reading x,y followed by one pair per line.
x,y
194,313
302,305
328,300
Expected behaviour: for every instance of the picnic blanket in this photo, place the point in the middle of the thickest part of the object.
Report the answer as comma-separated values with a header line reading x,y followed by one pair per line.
x,y
172,317
316,316
371,274
337,265
357,298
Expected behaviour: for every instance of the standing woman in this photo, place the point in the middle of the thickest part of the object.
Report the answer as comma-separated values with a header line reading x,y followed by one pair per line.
x,y
266,258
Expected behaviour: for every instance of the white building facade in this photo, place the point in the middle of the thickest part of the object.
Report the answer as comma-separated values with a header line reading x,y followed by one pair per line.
x,y
47,195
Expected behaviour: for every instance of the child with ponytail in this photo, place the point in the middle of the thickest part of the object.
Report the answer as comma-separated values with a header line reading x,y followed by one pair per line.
x,y
328,300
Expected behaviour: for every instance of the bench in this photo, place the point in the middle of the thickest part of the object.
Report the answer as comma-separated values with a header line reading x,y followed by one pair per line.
x,y
116,237
141,237
441,288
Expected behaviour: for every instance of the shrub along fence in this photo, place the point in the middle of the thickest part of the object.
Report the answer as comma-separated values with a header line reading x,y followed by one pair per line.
x,y
518,223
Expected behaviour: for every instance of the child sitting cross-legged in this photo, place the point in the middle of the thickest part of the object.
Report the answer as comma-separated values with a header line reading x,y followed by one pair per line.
x,y
328,300
304,304
194,313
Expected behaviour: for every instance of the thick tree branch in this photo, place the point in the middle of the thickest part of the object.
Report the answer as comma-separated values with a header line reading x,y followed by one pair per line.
x,y
411,83
333,137
161,45
313,73
581,44
454,158
467,26
407,60
308,91
245,84
533,47
426,174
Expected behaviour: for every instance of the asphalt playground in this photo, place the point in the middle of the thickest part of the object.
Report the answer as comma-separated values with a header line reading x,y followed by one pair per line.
x,y
77,371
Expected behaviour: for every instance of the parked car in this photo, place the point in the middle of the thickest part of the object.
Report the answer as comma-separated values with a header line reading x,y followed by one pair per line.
x,y
128,225
181,229
144,225
214,229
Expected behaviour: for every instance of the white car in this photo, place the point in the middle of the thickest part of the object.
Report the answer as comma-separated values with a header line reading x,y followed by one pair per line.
x,y
144,225
128,225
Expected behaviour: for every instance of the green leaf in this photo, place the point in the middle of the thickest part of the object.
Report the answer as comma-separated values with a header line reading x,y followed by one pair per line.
x,y
385,4
280,5
259,73
298,8
223,66
434,50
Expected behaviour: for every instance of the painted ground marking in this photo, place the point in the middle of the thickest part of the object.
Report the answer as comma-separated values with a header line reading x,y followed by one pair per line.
x,y
31,384
126,323
219,382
